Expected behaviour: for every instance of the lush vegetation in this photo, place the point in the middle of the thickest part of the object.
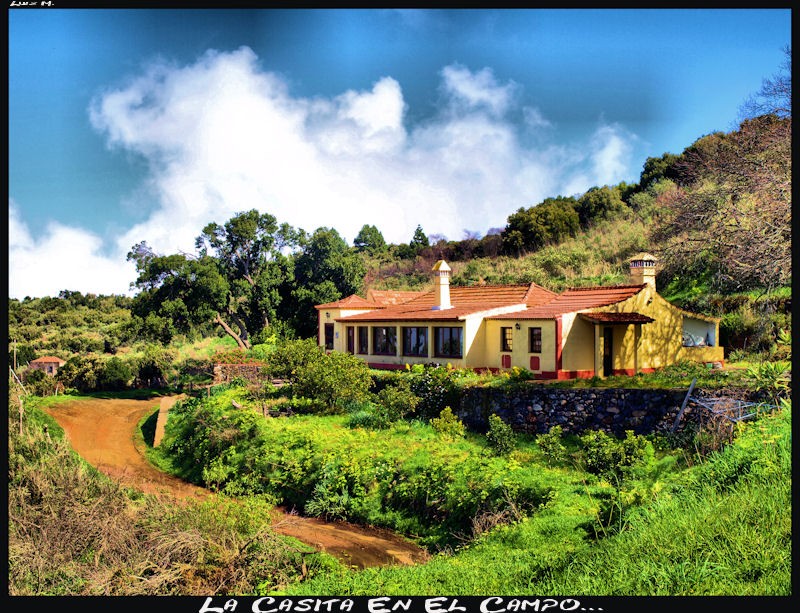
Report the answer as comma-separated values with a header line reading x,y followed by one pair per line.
x,y
509,513
720,527
703,512
75,532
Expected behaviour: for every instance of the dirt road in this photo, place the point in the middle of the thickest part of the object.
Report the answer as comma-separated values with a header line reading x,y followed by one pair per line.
x,y
102,431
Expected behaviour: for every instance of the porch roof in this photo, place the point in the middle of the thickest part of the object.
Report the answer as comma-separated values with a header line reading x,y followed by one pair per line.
x,y
601,317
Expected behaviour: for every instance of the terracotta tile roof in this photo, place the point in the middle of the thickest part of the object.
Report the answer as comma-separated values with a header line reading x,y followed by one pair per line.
x,y
390,296
465,301
47,360
577,299
600,317
352,302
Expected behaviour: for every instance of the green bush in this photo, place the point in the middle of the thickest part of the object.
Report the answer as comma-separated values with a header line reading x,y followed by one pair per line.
x,y
155,366
115,375
551,445
501,437
448,425
333,379
81,373
398,400
292,355
39,383
437,388
608,456
771,379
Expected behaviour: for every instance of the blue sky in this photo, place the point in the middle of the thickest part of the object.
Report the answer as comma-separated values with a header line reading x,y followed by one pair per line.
x,y
146,124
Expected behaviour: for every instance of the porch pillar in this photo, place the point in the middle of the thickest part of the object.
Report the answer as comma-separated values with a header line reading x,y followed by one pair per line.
x,y
598,351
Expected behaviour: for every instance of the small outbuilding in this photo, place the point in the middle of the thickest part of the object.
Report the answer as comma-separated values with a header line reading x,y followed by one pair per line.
x,y
49,364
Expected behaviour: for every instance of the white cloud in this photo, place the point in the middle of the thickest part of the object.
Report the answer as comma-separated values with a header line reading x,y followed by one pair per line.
x,y
62,258
222,136
534,118
477,89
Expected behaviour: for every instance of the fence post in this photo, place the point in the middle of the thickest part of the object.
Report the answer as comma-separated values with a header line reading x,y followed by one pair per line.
x,y
683,406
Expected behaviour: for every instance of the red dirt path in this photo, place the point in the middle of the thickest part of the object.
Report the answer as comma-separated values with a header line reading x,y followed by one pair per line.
x,y
102,431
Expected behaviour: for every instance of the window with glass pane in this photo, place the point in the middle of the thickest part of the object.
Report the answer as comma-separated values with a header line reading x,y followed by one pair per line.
x,y
447,342
384,340
415,341
505,339
363,340
535,340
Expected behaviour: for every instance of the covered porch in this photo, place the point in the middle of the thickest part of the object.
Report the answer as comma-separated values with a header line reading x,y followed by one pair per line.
x,y
616,349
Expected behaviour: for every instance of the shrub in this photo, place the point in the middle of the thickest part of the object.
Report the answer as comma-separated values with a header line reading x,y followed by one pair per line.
x,y
115,375
80,372
770,378
38,383
289,357
333,379
154,366
448,425
436,389
501,437
606,455
551,446
398,400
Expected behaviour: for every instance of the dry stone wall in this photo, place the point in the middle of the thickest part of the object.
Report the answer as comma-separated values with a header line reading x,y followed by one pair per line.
x,y
535,409
224,373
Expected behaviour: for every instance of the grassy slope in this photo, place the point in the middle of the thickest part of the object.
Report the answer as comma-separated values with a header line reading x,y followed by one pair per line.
x,y
725,529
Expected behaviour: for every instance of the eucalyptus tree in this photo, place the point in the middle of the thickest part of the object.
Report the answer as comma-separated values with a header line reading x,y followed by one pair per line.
x,y
252,250
232,281
325,269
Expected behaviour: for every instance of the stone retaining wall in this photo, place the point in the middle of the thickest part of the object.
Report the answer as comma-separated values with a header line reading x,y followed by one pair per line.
x,y
535,409
223,373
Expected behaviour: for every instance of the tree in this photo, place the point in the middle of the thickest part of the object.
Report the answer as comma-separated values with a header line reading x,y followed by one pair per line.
x,y
178,292
656,169
324,271
115,375
600,203
549,222
233,282
775,95
730,213
249,248
370,240
419,240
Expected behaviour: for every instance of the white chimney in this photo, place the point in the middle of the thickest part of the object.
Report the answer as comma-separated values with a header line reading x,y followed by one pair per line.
x,y
643,269
441,273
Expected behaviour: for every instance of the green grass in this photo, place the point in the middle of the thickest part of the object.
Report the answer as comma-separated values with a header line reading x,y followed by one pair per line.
x,y
675,376
722,528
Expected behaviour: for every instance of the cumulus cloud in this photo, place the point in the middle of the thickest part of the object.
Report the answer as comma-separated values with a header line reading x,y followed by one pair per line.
x,y
61,258
472,90
222,136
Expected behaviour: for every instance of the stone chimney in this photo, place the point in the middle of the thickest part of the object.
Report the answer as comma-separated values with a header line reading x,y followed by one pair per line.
x,y
441,277
643,269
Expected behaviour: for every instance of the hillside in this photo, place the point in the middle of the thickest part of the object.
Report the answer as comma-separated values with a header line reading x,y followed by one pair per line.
x,y
717,217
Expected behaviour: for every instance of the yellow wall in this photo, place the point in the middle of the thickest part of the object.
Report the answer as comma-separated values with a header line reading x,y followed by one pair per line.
x,y
520,356
339,333
661,341
578,343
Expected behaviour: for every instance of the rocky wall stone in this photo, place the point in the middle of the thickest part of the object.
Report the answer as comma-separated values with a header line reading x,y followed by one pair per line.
x,y
535,409
224,373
